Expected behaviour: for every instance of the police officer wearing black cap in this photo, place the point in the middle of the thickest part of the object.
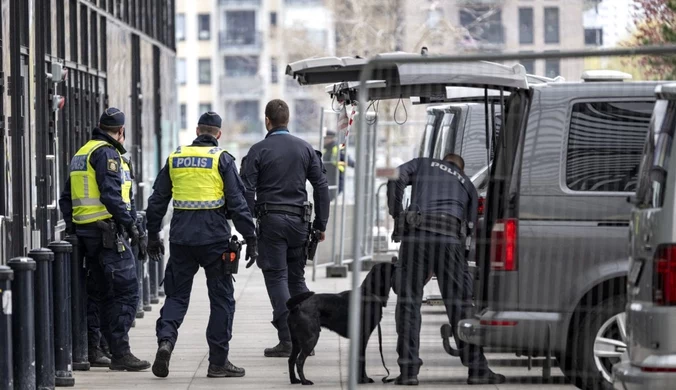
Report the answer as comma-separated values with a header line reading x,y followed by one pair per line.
x,y
203,182
97,206
275,172
442,198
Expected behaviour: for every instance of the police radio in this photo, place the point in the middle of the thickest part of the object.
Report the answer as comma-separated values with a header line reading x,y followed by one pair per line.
x,y
230,258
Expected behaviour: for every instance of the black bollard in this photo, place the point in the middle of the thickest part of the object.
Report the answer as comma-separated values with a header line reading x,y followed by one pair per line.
x,y
139,278
146,287
44,331
63,345
152,279
23,322
160,277
78,305
6,361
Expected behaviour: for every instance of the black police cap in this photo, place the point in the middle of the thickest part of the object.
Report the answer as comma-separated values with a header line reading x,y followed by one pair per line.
x,y
210,119
330,133
112,117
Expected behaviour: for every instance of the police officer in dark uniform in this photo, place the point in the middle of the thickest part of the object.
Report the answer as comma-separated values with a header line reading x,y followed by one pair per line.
x,y
275,172
334,155
97,206
442,198
203,182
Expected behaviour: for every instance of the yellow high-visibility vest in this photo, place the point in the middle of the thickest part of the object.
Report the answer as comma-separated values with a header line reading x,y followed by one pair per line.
x,y
335,158
196,182
85,194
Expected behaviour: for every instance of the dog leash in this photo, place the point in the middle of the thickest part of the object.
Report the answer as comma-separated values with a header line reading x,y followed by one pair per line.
x,y
382,358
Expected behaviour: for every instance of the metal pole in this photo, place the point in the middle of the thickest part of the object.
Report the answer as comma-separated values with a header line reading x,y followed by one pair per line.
x,y
321,147
63,345
150,271
139,280
78,305
146,285
340,259
23,322
6,361
153,273
44,331
359,207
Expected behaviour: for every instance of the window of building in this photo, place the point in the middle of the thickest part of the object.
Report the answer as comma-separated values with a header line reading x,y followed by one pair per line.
x,y
529,65
203,27
593,36
236,66
204,69
181,73
245,114
305,115
204,107
274,72
484,24
526,25
240,27
551,24
605,145
552,67
180,27
273,19
184,116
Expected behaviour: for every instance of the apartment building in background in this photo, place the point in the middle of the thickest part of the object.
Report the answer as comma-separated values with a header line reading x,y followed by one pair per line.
x,y
495,26
232,56
608,22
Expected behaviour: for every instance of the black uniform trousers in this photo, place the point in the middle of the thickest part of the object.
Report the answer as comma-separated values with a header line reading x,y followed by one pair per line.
x,y
113,287
421,253
281,257
184,262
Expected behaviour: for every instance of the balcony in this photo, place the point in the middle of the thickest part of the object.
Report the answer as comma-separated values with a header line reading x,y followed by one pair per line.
x,y
240,3
232,41
231,86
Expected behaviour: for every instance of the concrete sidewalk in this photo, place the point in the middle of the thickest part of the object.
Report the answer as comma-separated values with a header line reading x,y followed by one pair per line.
x,y
328,369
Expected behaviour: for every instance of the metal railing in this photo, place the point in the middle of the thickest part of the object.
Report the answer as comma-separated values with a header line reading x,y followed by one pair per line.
x,y
230,40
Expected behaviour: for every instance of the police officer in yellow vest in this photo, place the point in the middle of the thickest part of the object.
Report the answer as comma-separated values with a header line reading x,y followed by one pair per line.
x,y
202,179
97,206
334,154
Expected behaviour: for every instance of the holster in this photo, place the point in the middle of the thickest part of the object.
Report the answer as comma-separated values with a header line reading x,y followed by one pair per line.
x,y
312,243
230,258
108,233
307,214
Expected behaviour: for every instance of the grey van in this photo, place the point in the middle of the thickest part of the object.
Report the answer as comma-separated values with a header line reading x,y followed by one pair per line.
x,y
651,284
553,260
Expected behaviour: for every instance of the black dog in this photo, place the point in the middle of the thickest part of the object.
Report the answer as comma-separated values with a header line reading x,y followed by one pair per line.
x,y
308,312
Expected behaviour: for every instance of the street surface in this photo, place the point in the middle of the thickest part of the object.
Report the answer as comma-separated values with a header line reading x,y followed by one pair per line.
x,y
328,369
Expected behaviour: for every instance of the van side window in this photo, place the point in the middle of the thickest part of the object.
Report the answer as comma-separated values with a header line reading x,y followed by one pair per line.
x,y
428,136
605,144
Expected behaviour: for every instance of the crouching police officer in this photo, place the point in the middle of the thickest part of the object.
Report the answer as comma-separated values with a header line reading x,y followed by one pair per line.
x,y
97,199
442,198
202,179
275,171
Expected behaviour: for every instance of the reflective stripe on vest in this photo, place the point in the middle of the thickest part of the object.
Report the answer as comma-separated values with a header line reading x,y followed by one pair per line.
x,y
85,194
196,182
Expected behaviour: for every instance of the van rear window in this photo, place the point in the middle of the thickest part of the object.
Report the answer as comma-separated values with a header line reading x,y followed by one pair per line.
x,y
605,144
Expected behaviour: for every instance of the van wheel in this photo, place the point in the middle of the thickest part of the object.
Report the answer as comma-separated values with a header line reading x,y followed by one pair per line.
x,y
598,343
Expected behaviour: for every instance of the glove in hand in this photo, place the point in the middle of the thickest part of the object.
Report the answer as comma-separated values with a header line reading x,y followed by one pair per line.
x,y
155,247
251,252
133,233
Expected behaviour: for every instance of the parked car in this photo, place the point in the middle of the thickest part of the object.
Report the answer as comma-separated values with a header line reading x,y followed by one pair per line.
x,y
651,284
553,260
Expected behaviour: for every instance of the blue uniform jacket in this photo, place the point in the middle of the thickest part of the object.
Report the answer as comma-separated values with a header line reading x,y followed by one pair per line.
x,y
275,171
110,187
437,187
202,227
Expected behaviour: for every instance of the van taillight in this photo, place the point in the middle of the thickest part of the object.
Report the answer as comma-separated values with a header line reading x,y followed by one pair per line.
x,y
664,286
482,202
503,245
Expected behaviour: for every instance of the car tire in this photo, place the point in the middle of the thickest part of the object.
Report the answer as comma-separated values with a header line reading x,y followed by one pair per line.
x,y
580,364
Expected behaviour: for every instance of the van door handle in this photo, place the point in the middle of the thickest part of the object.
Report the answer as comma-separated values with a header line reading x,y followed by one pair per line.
x,y
613,224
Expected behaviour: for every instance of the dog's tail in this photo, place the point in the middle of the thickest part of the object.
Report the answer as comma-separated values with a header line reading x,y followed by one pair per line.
x,y
298,299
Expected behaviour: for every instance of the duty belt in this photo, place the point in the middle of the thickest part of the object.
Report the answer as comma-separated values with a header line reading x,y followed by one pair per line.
x,y
279,209
444,224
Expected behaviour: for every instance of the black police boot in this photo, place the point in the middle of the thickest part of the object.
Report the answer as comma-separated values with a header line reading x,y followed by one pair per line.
x,y
484,376
411,380
105,349
97,358
128,362
161,365
283,349
229,370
